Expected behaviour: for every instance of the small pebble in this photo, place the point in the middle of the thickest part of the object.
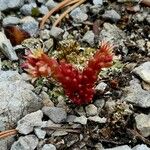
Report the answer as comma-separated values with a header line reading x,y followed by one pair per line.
x,y
91,110
81,120
57,115
111,15
49,147
98,119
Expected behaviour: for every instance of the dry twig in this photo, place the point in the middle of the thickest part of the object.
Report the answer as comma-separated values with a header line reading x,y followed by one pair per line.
x,y
62,129
63,4
79,2
7,133
139,136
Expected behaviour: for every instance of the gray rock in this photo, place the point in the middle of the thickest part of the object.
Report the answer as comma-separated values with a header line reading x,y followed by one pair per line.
x,y
101,86
124,147
98,2
31,26
49,147
143,124
97,119
11,20
17,99
111,15
6,47
136,95
48,44
8,4
27,123
15,3
3,5
6,143
78,15
27,9
91,110
143,71
81,120
99,103
43,10
141,147
89,37
28,142
114,35
140,17
45,34
56,32
39,133
57,115
51,4
70,118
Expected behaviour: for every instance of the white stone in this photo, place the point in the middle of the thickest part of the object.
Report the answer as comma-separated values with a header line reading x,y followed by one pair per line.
x,y
98,2
101,86
143,71
141,147
49,147
91,110
81,120
6,47
98,119
143,124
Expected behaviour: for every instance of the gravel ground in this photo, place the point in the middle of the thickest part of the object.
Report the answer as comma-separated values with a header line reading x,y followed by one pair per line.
x,y
118,117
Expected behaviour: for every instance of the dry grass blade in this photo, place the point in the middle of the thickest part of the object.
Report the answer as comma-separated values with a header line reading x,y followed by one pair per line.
x,y
62,129
67,11
72,2
5,134
63,3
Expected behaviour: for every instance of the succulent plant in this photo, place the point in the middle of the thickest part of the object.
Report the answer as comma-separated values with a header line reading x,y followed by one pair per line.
x,y
78,84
